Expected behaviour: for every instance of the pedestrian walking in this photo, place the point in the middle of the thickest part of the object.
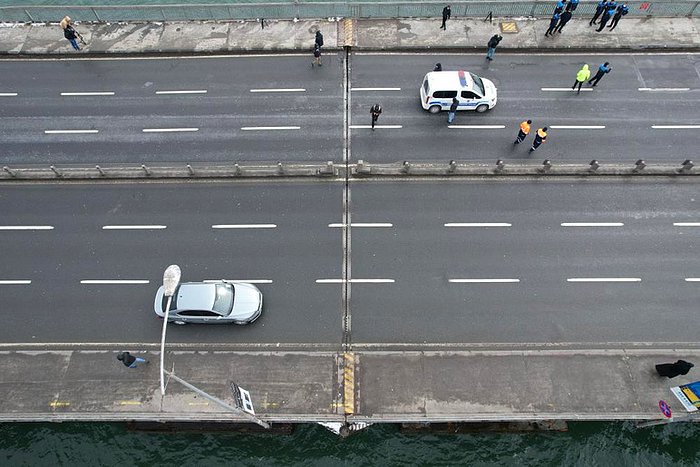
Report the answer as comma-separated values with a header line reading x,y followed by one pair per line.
x,y
437,67
129,360
319,39
540,137
671,370
317,56
493,43
523,132
552,24
565,17
621,11
453,111
607,14
600,8
603,69
559,7
69,32
375,111
446,13
582,75
572,5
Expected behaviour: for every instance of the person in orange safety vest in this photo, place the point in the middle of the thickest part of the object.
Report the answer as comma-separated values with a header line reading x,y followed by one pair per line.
x,y
540,137
524,131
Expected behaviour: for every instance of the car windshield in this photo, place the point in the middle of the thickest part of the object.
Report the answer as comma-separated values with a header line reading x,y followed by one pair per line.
x,y
223,302
478,84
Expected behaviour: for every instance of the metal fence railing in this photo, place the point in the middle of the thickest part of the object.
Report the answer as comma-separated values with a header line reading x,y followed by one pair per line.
x,y
310,9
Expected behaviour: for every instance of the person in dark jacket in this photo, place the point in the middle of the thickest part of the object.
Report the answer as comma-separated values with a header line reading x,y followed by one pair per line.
x,y
129,360
446,13
493,43
375,111
437,67
621,11
671,370
602,6
453,111
552,24
565,17
609,11
69,32
319,39
317,56
603,69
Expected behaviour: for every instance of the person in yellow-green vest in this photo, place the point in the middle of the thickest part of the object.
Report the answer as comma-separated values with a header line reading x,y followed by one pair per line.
x,y
583,74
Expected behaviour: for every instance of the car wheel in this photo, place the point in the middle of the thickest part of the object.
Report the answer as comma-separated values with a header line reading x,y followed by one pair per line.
x,y
434,109
482,108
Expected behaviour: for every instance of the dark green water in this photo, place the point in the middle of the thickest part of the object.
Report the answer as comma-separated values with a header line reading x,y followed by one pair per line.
x,y
585,444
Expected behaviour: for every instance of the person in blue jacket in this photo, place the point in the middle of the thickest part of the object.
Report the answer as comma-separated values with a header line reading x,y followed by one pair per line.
x,y
621,11
607,14
600,8
560,6
603,69
572,5
552,24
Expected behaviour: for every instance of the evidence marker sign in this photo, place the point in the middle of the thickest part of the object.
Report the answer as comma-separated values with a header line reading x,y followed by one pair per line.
x,y
688,395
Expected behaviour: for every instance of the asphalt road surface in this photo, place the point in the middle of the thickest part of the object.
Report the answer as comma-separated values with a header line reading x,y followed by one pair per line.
x,y
279,108
429,262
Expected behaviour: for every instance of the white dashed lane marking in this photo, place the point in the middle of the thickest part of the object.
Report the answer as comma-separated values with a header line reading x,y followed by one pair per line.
x,y
198,91
604,279
133,227
26,227
244,226
113,281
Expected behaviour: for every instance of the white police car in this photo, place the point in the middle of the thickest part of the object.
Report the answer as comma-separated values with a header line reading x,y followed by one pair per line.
x,y
472,91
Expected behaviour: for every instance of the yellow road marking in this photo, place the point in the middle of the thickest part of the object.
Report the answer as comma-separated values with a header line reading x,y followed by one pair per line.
x,y
130,403
349,32
198,403
509,27
349,383
57,403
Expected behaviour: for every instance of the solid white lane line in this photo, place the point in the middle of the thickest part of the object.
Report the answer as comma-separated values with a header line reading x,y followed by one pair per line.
x,y
577,127
692,279
477,127
367,127
15,282
478,224
663,89
69,132
114,281
362,224
675,127
198,91
375,89
604,279
244,226
247,281
279,90
564,89
687,224
592,224
8,94
483,281
168,130
26,227
258,128
96,93
355,281
133,227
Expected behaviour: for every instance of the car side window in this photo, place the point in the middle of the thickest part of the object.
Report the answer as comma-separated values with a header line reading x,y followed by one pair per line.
x,y
470,95
444,94
197,313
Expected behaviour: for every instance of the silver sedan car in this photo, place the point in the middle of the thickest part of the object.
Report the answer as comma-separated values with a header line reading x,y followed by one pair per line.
x,y
211,303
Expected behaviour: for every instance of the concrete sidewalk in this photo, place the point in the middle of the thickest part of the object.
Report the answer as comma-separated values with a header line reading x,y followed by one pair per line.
x,y
522,34
534,383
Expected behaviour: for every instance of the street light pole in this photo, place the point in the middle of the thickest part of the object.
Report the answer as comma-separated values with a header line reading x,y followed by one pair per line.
x,y
171,279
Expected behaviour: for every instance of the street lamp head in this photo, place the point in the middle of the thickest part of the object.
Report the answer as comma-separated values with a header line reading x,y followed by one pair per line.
x,y
171,278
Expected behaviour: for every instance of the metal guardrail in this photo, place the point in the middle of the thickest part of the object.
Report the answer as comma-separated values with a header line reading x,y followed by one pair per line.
x,y
361,169
310,9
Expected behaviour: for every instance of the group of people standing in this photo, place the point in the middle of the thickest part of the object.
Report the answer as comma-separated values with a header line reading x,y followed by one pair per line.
x,y
563,12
